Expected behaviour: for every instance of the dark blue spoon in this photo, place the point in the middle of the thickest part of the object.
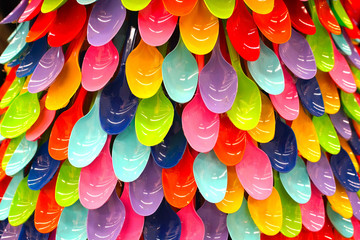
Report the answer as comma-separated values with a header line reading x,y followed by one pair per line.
x,y
164,223
42,169
14,62
344,171
29,231
3,225
310,96
32,58
341,123
169,152
354,141
117,103
282,150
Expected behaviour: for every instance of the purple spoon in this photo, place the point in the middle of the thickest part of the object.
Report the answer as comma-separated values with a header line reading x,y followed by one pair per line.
x,y
105,21
106,222
218,82
341,124
214,221
146,192
11,232
16,13
355,203
354,57
321,175
298,56
47,70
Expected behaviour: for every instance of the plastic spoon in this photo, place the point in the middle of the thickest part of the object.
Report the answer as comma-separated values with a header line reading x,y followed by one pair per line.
x,y
136,5
218,82
240,224
106,19
129,155
117,103
23,154
355,203
31,11
4,183
85,145
325,130
21,115
51,5
199,29
156,24
146,192
47,211
179,8
351,105
212,180
329,92
179,183
86,2
29,231
326,16
234,193
346,146
134,223
297,183
257,181
69,21
23,204
344,171
67,185
243,33
275,25
267,72
192,227
168,153
144,80
311,96
300,18
354,58
298,56
267,214
341,44
17,45
72,222
323,53
3,147
306,137
68,80
15,13
259,6
341,224
214,221
106,222
292,223
265,129
41,26
10,149
62,128
153,119
340,202
340,14
42,169
282,150
32,58
180,73
313,212
9,79
11,232
356,225
99,65
9,195
12,92
221,10
97,180
321,175
42,123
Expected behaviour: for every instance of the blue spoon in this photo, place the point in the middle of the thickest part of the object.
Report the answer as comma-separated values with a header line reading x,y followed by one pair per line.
x,y
117,103
42,169
341,44
354,141
310,96
28,231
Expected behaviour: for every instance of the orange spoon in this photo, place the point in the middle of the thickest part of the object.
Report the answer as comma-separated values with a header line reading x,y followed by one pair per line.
x,y
327,17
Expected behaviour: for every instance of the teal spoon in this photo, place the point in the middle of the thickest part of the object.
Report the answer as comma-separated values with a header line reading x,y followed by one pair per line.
x,y
343,225
341,44
9,195
86,2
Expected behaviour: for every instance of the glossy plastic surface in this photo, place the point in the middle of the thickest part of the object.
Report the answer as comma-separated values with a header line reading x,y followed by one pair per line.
x,y
179,8
325,130
15,13
300,17
326,16
51,5
31,11
136,5
12,92
9,195
341,224
261,7
221,10
329,93
311,96
41,26
28,231
340,202
192,227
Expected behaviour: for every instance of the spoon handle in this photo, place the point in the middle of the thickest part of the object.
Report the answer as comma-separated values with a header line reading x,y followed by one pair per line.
x,y
130,38
79,102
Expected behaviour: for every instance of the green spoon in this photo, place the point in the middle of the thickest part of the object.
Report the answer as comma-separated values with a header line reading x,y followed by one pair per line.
x,y
327,135
221,9
23,204
67,185
51,5
12,92
292,222
14,143
21,115
351,106
340,14
320,43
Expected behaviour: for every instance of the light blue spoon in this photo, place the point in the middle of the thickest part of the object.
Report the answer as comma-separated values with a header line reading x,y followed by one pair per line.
x,y
129,155
343,225
241,226
180,73
87,138
267,71
17,45
210,176
72,223
297,182
23,154
341,44
86,2
12,35
9,195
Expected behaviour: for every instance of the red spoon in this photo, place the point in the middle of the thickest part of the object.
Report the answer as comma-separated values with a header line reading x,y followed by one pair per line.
x,y
327,17
41,26
300,17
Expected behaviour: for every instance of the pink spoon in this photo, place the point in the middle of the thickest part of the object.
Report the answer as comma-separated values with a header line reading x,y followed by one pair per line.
x,y
192,227
31,10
